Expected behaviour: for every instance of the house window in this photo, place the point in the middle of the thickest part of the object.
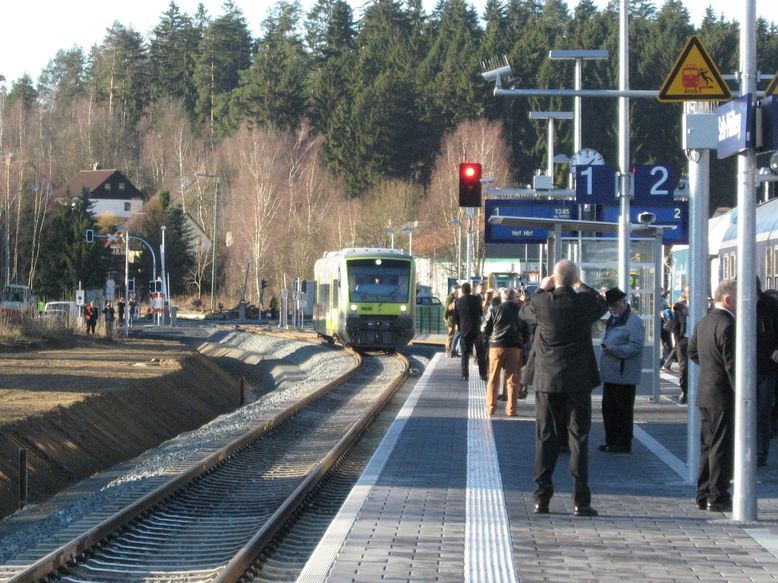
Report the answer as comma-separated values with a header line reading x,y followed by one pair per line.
x,y
126,207
108,186
121,186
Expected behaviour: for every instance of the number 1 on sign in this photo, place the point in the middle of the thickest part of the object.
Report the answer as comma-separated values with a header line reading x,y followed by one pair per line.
x,y
587,173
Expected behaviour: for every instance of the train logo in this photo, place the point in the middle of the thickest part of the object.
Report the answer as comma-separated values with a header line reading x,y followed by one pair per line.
x,y
695,79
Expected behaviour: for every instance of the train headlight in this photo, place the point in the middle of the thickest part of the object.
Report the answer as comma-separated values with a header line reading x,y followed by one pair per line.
x,y
403,308
353,307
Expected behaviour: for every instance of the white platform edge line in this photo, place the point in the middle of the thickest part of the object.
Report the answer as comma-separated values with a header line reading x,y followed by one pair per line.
x,y
488,545
319,563
661,452
765,539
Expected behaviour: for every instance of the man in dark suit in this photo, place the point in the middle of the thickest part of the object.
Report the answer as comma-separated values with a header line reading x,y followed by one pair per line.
x,y
565,372
712,346
467,316
680,314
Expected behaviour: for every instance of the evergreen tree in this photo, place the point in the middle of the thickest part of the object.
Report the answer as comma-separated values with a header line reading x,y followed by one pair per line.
x,y
328,88
271,91
179,259
119,73
450,71
172,51
380,135
64,78
224,52
22,91
66,258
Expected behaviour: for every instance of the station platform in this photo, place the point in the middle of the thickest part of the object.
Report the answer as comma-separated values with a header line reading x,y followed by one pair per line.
x,y
448,497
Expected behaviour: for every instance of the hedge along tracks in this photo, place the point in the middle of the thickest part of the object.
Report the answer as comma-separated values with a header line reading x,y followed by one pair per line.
x,y
192,527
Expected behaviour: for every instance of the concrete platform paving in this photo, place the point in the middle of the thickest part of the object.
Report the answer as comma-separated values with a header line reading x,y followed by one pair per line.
x,y
448,497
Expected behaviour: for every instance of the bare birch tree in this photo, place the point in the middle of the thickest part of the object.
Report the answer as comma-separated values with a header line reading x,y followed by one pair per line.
x,y
473,141
257,191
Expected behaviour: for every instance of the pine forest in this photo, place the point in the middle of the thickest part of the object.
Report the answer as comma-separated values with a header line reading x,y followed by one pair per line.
x,y
329,130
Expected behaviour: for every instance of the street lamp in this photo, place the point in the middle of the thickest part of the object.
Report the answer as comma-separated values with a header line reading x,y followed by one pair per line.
x,y
213,243
391,231
458,224
550,117
126,230
408,228
579,56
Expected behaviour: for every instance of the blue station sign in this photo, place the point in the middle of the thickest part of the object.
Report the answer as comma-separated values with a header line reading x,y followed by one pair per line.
x,y
595,184
653,184
736,125
676,216
539,209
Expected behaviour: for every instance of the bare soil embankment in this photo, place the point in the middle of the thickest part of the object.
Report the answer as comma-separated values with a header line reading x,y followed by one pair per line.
x,y
86,406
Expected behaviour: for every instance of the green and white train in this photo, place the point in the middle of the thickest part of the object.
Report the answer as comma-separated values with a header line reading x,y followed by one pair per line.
x,y
365,298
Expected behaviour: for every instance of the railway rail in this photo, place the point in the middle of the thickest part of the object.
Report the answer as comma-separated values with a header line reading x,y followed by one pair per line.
x,y
213,521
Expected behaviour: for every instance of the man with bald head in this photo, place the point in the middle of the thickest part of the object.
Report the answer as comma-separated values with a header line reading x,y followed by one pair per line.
x,y
565,373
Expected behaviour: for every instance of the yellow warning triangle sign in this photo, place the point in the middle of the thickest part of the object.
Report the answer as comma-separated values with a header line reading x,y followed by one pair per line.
x,y
772,88
694,77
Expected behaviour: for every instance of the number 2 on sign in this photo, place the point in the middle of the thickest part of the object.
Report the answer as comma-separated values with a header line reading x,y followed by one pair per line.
x,y
656,189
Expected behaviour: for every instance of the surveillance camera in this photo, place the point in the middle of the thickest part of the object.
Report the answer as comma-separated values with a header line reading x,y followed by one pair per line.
x,y
495,74
646,218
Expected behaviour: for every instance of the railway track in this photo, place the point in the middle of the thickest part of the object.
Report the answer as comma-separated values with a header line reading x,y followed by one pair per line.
x,y
211,523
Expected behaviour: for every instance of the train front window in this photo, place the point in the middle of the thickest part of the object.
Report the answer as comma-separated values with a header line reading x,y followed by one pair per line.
x,y
379,280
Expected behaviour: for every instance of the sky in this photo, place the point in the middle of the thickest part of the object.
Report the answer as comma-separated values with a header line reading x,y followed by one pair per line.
x,y
34,30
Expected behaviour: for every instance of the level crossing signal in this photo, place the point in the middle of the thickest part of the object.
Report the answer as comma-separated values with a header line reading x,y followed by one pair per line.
x,y
470,184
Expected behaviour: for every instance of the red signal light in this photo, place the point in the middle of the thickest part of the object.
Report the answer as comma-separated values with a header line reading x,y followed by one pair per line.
x,y
470,171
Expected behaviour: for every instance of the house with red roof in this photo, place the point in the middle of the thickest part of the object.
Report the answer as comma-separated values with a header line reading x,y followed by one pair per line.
x,y
109,190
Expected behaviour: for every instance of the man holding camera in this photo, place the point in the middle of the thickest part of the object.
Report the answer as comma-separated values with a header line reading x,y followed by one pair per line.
x,y
565,374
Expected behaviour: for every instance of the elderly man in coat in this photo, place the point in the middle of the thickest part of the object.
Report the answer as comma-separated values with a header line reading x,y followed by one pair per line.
x,y
565,373
621,360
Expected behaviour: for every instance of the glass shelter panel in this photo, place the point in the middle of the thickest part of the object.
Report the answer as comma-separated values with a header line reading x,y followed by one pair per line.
x,y
598,261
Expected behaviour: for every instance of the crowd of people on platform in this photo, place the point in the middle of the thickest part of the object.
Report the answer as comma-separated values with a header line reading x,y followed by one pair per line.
x,y
544,342
110,314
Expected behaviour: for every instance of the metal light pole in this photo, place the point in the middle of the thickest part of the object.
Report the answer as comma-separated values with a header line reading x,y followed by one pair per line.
x,y
744,507
550,116
126,280
215,238
165,299
470,211
408,228
390,231
7,212
458,224
624,193
579,56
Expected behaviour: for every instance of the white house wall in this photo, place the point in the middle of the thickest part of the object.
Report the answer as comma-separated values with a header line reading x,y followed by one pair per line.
x,y
116,206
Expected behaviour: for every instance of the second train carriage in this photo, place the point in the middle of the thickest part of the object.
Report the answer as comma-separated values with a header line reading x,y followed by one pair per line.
x,y
365,298
766,245
722,249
